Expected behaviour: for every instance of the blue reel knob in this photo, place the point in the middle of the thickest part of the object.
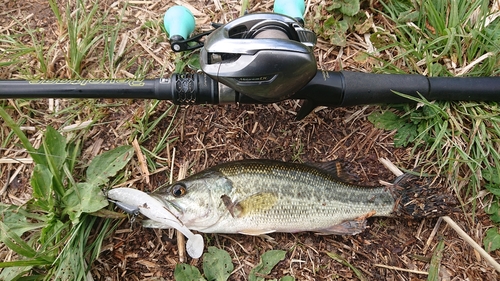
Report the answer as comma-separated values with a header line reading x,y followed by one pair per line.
x,y
291,8
179,23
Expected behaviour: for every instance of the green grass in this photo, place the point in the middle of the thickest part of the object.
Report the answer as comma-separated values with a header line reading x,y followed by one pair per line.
x,y
346,263
440,31
436,262
148,128
84,31
458,140
58,217
15,50
114,51
58,234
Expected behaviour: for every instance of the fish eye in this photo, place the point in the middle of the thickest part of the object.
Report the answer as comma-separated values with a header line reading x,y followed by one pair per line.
x,y
178,190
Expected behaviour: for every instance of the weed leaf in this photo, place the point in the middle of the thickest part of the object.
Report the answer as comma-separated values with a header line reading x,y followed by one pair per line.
x,y
41,182
14,242
494,211
66,269
14,273
491,241
107,164
267,262
83,198
387,120
186,272
52,229
406,132
405,135
217,264
492,179
14,218
87,197
335,30
493,188
54,148
349,7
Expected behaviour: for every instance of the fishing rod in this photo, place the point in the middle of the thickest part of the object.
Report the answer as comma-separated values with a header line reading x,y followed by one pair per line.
x,y
260,58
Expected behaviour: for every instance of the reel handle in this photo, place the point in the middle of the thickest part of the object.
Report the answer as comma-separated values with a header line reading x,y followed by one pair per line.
x,y
291,8
179,23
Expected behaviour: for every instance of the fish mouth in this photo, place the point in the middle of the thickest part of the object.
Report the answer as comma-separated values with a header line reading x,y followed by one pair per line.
x,y
170,206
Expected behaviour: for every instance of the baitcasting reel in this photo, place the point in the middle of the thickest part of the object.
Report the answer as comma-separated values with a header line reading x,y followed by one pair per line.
x,y
265,56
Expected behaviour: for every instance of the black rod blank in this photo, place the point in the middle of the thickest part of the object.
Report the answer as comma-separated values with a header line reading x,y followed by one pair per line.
x,y
326,88
180,88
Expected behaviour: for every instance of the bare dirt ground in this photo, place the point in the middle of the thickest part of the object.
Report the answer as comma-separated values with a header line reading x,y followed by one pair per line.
x,y
390,249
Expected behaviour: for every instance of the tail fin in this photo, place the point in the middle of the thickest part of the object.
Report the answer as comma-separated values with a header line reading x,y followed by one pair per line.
x,y
415,198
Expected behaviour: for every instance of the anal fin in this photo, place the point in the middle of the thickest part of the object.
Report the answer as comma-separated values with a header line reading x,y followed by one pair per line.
x,y
345,228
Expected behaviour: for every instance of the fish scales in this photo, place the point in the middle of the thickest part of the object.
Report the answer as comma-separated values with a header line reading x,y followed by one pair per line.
x,y
262,196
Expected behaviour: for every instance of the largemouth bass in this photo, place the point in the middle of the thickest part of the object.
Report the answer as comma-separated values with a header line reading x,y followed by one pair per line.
x,y
262,196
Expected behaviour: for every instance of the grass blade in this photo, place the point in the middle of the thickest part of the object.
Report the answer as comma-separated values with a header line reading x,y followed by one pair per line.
x,y
343,261
436,262
24,140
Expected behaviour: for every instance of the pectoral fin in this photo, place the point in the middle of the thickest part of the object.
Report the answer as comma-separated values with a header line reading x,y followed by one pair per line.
x,y
233,207
345,228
